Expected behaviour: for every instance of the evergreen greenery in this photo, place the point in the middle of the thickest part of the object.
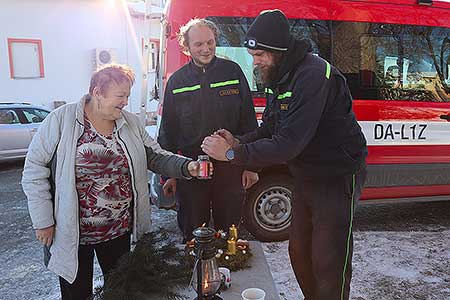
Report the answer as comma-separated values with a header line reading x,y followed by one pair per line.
x,y
234,262
154,270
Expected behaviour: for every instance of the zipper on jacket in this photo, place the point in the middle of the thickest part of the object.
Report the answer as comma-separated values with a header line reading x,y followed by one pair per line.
x,y
204,94
78,203
133,183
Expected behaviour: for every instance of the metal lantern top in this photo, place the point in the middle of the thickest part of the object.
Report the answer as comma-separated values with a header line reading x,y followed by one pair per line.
x,y
204,242
204,234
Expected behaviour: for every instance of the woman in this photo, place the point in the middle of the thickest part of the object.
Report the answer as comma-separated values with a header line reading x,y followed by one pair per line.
x,y
101,189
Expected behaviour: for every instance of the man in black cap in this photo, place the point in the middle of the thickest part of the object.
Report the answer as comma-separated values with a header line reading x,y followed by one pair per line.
x,y
308,123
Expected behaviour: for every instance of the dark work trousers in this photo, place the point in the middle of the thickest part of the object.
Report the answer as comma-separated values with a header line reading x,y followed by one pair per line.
x,y
321,240
223,194
108,254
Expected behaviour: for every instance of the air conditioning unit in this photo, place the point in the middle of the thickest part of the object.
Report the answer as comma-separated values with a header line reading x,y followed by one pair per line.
x,y
104,56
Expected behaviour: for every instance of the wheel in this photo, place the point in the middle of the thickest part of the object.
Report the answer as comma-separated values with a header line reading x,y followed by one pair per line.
x,y
268,209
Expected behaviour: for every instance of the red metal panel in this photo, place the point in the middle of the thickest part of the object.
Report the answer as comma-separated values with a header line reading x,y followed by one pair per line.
x,y
379,110
374,110
436,3
399,12
405,192
308,9
409,154
259,102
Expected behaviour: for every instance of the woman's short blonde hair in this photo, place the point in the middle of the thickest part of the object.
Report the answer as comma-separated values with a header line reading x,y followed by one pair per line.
x,y
108,74
183,34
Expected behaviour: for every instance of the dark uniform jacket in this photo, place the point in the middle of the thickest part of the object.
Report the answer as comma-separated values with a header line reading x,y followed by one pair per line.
x,y
308,121
198,101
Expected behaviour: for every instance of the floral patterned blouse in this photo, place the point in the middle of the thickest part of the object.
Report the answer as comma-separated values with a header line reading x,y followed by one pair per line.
x,y
104,187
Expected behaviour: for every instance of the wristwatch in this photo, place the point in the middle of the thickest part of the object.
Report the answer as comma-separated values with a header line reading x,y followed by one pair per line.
x,y
229,154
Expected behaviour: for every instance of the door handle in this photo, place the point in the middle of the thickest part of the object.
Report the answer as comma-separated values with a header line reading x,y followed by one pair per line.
x,y
33,130
445,117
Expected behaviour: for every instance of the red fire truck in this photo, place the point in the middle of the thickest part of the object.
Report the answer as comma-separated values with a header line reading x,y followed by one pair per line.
x,y
396,58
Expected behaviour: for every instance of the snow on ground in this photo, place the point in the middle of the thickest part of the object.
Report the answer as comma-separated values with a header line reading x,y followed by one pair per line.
x,y
386,265
401,252
401,265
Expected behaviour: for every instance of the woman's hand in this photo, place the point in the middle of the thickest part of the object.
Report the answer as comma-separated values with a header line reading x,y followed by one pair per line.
x,y
45,236
170,187
194,168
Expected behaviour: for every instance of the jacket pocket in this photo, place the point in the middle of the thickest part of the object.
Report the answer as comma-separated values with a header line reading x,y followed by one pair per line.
x,y
186,108
227,103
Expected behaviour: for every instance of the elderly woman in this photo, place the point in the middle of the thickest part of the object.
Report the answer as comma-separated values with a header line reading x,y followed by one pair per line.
x,y
100,199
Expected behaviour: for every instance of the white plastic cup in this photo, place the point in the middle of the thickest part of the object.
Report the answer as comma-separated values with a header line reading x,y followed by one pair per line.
x,y
253,294
226,277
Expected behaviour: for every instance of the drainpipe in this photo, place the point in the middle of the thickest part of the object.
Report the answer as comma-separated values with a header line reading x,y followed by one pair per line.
x,y
145,58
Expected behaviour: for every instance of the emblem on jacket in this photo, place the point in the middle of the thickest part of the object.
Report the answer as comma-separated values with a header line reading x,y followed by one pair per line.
x,y
229,92
284,106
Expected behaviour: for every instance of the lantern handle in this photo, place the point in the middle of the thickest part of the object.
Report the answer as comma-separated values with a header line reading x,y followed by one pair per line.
x,y
195,267
199,275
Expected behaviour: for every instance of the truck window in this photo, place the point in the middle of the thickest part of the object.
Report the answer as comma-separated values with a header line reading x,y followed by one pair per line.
x,y
231,41
393,62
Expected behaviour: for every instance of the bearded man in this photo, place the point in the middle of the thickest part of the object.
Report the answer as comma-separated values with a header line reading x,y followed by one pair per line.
x,y
309,124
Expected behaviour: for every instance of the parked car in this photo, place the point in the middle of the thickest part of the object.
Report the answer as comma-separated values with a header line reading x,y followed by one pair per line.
x,y
18,123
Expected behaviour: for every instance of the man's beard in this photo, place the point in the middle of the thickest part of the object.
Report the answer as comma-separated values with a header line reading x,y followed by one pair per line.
x,y
267,76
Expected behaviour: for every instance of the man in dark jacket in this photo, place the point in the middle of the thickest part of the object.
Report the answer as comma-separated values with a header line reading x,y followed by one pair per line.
x,y
203,96
308,123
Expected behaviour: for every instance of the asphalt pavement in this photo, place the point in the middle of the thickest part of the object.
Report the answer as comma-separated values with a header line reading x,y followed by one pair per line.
x,y
23,276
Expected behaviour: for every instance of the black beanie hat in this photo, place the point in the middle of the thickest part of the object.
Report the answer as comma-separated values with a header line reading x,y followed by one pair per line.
x,y
269,31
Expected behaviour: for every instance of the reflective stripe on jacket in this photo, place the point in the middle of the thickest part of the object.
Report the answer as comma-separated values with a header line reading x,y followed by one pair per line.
x,y
308,121
199,101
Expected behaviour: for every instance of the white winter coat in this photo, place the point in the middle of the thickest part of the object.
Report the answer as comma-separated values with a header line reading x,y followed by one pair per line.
x,y
60,131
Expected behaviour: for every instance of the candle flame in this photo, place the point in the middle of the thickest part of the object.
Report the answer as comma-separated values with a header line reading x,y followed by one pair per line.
x,y
204,224
205,285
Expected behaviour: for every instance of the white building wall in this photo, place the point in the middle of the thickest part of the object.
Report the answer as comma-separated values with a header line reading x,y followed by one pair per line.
x,y
70,30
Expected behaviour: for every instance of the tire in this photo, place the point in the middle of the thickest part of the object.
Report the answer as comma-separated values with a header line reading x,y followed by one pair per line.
x,y
268,209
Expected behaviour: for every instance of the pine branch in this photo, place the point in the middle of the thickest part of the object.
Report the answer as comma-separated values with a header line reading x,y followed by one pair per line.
x,y
153,270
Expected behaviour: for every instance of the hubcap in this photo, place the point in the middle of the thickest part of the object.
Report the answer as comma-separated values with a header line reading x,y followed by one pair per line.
x,y
273,208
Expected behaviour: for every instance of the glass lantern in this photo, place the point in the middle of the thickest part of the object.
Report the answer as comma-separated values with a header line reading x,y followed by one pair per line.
x,y
206,278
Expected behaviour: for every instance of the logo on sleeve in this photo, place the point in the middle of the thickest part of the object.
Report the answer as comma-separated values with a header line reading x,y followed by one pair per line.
x,y
284,106
229,92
